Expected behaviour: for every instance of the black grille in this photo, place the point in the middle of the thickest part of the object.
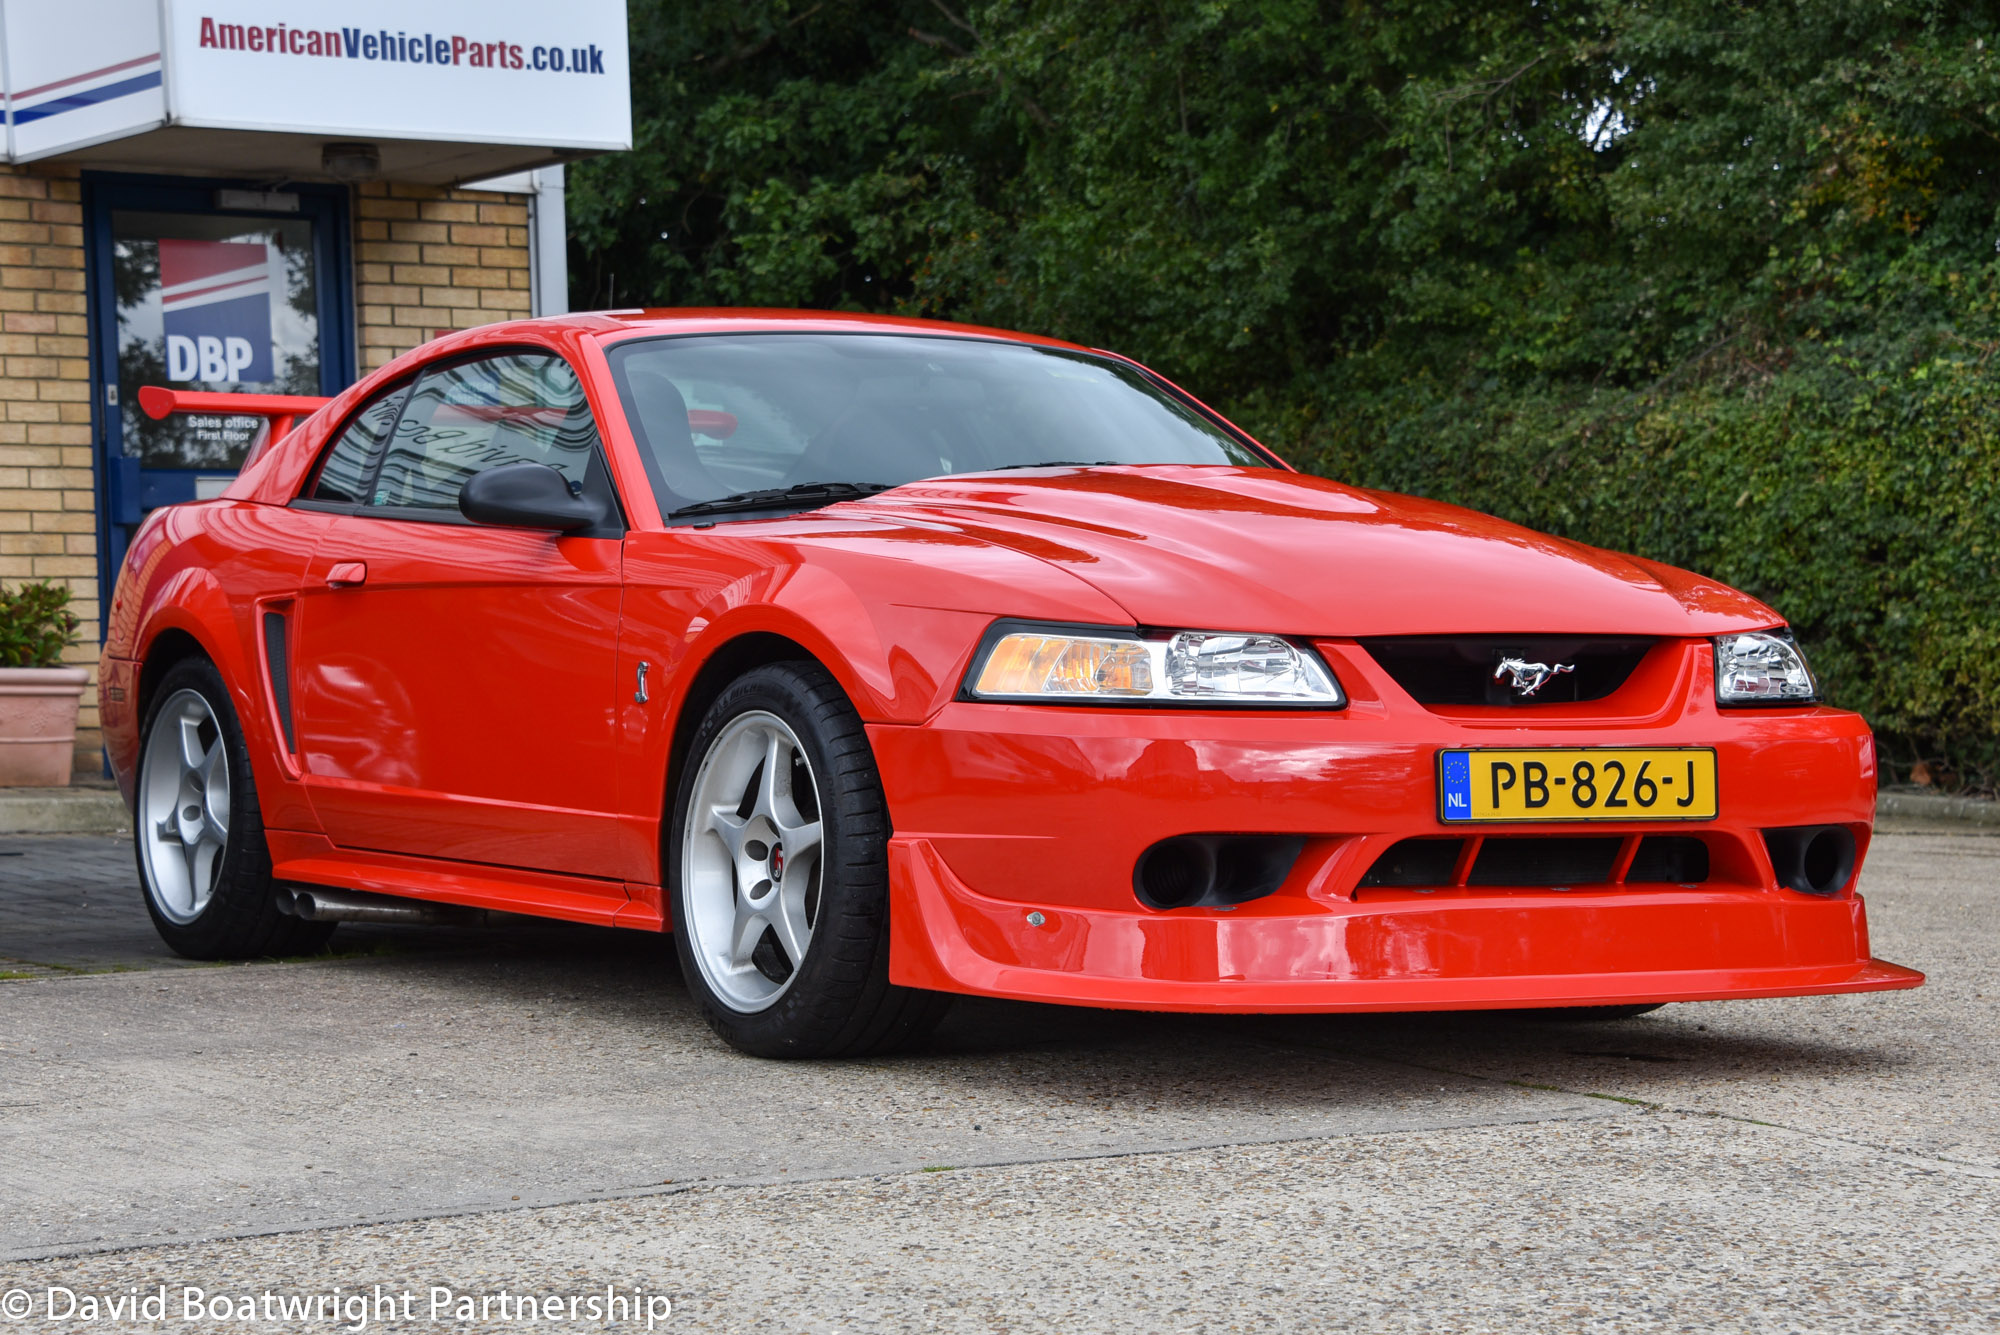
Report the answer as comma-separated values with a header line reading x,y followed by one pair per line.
x,y
1559,861
1539,860
1416,862
1669,859
1458,669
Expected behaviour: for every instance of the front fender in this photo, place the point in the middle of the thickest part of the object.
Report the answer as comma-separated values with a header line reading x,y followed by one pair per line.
x,y
897,663
894,615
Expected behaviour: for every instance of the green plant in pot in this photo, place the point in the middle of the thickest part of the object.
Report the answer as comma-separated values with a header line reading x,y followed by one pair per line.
x,y
39,698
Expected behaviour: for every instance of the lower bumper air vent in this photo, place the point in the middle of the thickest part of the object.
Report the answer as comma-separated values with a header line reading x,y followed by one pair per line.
x,y
1812,859
1416,862
1210,870
1669,859
1431,863
1545,861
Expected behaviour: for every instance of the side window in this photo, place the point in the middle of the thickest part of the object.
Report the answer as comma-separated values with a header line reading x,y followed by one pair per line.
x,y
344,475
477,415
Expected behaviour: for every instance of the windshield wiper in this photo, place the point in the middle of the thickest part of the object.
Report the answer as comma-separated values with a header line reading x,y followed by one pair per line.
x,y
778,498
1056,463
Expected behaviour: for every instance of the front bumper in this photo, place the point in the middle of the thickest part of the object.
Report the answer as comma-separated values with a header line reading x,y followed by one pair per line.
x,y
1018,828
1575,949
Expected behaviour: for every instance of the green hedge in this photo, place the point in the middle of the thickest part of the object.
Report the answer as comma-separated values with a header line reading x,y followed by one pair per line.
x,y
1709,281
1863,506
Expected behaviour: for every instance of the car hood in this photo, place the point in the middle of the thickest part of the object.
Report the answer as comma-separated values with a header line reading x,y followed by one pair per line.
x,y
1225,548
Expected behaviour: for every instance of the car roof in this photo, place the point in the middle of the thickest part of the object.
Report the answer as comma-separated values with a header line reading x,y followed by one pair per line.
x,y
614,326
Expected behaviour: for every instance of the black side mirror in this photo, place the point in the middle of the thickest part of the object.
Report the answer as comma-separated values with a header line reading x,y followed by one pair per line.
x,y
526,495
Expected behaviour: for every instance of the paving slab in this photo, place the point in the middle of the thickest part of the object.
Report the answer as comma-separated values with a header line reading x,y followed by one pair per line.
x,y
1918,804
1917,1072
226,1101
1653,1222
70,904
87,809
1811,1164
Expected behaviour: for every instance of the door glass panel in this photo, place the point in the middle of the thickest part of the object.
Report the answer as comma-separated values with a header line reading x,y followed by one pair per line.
x,y
215,303
477,415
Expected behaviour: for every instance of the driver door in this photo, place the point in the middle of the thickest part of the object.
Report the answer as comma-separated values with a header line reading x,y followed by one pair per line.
x,y
454,692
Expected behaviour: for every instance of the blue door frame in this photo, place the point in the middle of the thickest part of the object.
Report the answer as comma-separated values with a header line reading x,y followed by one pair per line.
x,y
121,498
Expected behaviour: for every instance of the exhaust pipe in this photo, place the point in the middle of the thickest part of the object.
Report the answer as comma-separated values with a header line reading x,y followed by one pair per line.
x,y
315,904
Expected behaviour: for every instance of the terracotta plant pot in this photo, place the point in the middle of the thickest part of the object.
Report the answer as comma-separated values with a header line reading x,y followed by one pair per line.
x,y
38,725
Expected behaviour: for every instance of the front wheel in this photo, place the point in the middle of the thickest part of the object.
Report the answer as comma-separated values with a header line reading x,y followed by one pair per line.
x,y
198,832
779,885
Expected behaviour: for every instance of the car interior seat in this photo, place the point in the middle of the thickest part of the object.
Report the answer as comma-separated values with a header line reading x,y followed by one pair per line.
x,y
870,443
662,427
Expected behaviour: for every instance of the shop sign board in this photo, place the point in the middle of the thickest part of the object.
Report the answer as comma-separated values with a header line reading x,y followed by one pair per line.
x,y
79,73
456,71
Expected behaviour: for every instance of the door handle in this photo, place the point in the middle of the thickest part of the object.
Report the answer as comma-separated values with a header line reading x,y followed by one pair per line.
x,y
346,574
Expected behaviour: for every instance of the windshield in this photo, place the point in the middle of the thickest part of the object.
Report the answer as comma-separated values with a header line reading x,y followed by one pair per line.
x,y
719,416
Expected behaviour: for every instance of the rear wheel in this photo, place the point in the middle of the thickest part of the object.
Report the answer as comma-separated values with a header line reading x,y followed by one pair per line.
x,y
779,874
198,832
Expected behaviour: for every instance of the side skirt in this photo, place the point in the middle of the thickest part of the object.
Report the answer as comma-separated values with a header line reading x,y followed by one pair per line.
x,y
312,859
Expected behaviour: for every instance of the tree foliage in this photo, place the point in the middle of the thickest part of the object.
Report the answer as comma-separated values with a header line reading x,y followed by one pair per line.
x,y
1714,282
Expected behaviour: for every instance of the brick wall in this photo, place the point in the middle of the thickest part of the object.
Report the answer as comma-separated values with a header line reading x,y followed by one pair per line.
x,y
48,525
430,259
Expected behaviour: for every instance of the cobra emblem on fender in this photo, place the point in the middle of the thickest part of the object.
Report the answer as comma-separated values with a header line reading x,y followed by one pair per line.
x,y
1526,677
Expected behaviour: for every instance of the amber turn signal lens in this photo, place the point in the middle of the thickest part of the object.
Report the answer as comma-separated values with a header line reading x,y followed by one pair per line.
x,y
1031,663
1188,667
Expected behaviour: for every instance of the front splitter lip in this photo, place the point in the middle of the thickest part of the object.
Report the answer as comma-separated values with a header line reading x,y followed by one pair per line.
x,y
1456,994
945,937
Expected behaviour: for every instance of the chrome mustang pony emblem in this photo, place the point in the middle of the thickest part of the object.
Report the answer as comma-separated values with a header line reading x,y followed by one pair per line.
x,y
1526,677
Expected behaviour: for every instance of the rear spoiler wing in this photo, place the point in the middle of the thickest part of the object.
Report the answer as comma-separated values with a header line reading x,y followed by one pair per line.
x,y
280,410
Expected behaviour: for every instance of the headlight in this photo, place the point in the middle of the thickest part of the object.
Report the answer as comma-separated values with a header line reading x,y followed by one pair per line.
x,y
1762,668
1089,665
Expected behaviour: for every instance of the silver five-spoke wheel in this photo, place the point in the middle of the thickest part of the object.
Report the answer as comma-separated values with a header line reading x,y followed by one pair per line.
x,y
777,873
750,861
183,806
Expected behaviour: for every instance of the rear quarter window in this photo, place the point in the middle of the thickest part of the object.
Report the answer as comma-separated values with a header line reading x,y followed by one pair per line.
x,y
344,473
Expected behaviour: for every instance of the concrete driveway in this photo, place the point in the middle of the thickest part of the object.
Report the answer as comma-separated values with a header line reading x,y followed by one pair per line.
x,y
538,1112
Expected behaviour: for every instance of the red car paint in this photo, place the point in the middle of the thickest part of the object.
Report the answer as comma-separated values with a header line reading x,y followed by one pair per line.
x,y
465,727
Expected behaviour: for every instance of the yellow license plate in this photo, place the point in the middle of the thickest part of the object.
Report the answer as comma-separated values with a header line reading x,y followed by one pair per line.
x,y
1576,783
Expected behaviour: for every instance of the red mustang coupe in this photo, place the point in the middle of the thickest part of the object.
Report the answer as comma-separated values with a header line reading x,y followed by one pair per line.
x,y
880,660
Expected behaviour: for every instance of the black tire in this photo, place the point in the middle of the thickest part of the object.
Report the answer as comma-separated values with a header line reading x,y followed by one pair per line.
x,y
241,918
1590,1014
838,1002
